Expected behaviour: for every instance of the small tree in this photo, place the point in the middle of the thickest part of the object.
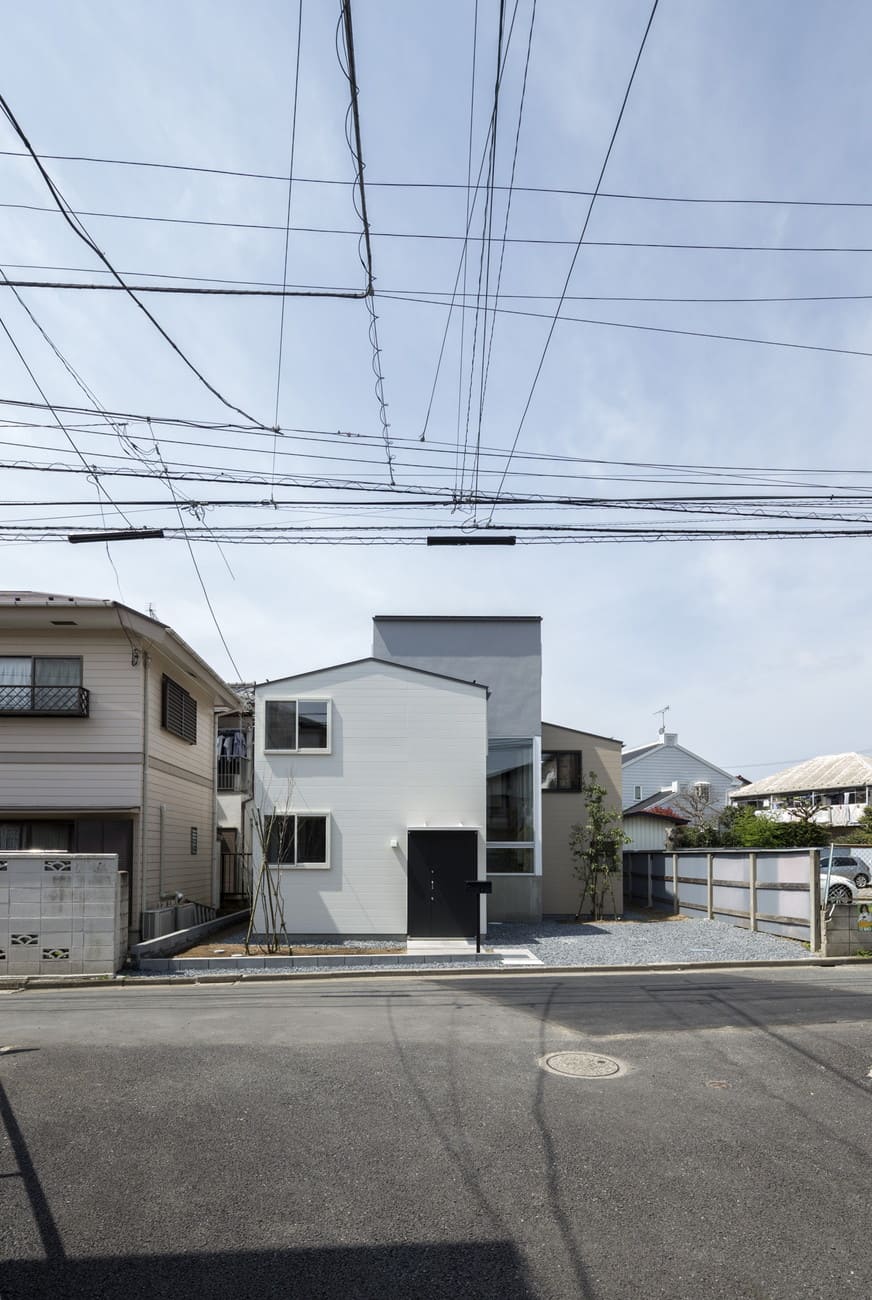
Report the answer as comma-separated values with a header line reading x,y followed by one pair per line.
x,y
596,844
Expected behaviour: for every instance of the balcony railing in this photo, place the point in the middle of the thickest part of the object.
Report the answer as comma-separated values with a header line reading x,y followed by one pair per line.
x,y
45,701
234,775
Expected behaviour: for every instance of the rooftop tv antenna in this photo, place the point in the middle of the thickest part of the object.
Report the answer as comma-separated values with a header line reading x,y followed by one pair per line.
x,y
662,715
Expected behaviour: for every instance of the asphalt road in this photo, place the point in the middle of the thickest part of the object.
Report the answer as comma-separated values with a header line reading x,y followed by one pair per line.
x,y
398,1138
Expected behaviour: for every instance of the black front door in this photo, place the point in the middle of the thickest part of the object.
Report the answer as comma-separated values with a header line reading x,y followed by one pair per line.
x,y
440,864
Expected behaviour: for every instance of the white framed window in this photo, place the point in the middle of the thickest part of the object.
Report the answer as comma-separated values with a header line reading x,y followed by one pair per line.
x,y
299,840
637,792
703,790
297,726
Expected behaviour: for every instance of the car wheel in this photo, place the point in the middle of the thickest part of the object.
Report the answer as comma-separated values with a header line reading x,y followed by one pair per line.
x,y
839,894
861,880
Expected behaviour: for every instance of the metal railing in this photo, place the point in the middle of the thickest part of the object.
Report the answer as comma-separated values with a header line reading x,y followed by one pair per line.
x,y
234,775
45,701
236,875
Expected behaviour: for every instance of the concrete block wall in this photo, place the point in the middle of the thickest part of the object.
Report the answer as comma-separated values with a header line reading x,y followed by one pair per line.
x,y
846,930
62,913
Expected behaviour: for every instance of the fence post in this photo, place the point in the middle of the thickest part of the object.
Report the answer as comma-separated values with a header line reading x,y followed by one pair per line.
x,y
675,881
710,886
814,899
650,886
752,890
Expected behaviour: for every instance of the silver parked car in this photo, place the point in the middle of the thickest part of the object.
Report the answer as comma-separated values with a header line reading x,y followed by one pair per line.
x,y
847,866
842,889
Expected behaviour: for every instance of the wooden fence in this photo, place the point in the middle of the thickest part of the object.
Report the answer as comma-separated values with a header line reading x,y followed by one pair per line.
x,y
776,891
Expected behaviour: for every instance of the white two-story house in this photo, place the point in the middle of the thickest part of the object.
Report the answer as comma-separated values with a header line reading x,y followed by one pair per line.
x,y
108,725
368,813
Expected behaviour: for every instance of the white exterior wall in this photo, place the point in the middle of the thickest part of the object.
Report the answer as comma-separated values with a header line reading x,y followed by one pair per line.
x,y
407,750
648,834
658,769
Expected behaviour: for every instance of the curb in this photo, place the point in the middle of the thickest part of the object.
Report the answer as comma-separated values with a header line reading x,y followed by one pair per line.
x,y
537,972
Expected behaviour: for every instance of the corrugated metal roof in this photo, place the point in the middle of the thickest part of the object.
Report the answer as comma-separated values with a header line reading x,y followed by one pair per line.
x,y
828,772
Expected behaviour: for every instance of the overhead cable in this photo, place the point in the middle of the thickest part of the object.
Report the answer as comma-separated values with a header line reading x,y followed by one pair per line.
x,y
79,230
578,246
453,185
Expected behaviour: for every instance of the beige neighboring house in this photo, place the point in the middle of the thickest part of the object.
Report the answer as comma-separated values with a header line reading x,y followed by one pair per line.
x,y
568,757
108,729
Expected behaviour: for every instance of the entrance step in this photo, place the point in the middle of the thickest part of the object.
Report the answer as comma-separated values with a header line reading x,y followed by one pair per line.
x,y
517,957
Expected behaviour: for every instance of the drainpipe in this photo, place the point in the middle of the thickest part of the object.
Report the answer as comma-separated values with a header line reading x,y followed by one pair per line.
x,y
162,818
143,815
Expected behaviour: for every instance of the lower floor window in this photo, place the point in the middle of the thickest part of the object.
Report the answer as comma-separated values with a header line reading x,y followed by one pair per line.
x,y
514,859
47,836
297,840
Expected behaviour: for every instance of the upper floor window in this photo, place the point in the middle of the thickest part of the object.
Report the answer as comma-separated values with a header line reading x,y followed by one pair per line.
x,y
297,726
178,711
703,790
49,684
561,770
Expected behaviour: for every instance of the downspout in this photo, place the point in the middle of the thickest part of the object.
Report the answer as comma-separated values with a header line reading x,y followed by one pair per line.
x,y
143,817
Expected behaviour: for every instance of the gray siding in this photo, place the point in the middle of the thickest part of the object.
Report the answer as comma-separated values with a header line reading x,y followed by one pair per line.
x,y
503,654
657,770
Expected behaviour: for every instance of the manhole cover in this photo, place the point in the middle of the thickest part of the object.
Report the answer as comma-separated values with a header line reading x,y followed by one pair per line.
x,y
583,1065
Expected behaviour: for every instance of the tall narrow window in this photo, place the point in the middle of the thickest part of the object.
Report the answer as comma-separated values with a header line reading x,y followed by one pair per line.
x,y
510,806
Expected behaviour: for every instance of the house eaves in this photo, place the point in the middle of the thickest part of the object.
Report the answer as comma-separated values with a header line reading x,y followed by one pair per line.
x,y
827,772
373,659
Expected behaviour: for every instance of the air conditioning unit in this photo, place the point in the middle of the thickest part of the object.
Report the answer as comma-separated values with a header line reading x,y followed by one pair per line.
x,y
156,922
185,914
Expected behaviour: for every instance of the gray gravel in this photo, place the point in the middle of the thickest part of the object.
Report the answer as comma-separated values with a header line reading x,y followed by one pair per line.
x,y
639,943
604,943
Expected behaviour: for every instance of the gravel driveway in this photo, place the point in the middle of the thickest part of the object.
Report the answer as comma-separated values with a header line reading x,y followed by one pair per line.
x,y
639,943
653,941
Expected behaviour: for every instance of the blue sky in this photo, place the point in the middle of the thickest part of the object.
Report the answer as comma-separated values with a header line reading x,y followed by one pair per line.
x,y
759,648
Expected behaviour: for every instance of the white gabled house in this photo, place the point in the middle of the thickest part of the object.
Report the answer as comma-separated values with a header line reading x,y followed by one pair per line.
x,y
371,776
667,768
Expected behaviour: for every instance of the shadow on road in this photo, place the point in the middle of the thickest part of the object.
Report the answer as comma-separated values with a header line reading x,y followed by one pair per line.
x,y
443,1271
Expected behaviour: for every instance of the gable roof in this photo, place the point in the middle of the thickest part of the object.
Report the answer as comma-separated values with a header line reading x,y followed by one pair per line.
x,y
656,805
35,609
372,659
629,756
828,772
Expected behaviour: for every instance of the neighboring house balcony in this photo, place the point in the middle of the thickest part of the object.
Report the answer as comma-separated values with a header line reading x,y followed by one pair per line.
x,y
234,775
47,686
45,701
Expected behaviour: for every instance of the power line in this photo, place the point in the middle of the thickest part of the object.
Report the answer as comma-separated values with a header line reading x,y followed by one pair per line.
x,y
81,233
288,219
273,289
487,362
355,146
455,185
650,329
442,236
584,227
